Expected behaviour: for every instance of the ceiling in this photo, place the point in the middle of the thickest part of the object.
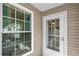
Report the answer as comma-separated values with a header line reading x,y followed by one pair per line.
x,y
45,6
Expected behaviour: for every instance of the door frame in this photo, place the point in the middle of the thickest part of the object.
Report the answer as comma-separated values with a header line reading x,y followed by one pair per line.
x,y
65,30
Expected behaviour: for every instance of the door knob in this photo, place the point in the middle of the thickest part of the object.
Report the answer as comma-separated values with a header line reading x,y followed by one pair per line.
x,y
62,38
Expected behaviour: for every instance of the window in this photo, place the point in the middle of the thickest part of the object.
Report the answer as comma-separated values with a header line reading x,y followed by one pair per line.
x,y
53,34
16,31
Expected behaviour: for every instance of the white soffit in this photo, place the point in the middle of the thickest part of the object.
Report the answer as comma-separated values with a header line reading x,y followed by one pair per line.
x,y
45,6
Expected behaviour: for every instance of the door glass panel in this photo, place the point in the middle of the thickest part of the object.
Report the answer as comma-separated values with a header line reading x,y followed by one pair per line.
x,y
51,42
53,27
49,27
49,23
53,23
8,44
49,30
53,30
57,43
53,34
57,27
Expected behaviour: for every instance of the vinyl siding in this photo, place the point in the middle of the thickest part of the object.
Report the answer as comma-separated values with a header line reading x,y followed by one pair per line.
x,y
73,30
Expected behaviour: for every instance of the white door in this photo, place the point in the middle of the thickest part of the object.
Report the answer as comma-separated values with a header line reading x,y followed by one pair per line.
x,y
55,34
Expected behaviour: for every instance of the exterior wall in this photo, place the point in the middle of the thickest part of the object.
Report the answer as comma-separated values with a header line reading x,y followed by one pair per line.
x,y
37,30
73,29
73,26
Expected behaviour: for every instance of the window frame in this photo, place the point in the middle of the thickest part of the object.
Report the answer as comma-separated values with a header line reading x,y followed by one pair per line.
x,y
1,25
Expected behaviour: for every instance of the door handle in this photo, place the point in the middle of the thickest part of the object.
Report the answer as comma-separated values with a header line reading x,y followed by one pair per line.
x,y
62,39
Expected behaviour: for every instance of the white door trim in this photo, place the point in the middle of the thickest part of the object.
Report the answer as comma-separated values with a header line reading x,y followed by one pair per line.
x,y
65,30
